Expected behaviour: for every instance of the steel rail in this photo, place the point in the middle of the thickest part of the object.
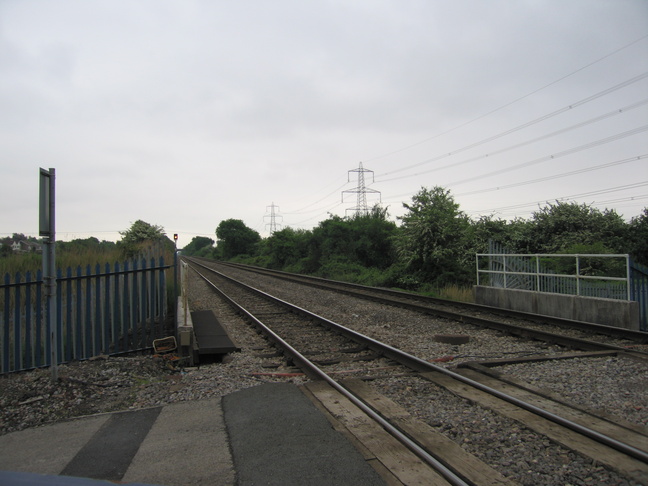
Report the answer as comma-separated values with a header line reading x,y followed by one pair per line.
x,y
639,336
316,373
358,291
421,365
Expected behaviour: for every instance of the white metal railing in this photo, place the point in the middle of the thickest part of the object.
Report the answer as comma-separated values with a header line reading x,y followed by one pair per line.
x,y
532,272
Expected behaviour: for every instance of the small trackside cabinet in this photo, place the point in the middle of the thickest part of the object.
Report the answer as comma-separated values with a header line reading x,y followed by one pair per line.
x,y
185,338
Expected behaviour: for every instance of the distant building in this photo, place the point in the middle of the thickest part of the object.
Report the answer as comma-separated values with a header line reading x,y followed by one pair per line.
x,y
23,246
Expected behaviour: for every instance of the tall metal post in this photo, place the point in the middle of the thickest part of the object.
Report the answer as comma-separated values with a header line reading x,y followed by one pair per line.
x,y
47,225
175,268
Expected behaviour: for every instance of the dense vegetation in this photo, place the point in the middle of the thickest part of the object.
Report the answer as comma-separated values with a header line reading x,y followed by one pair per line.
x,y
141,239
433,247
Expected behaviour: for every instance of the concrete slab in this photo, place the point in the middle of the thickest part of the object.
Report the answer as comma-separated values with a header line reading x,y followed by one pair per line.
x,y
187,445
272,434
111,449
210,334
31,479
47,449
279,437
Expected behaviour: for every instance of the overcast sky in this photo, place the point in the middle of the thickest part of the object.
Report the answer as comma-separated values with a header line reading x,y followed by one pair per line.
x,y
187,113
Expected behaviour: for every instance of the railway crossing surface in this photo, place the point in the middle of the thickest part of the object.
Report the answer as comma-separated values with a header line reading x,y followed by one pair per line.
x,y
269,434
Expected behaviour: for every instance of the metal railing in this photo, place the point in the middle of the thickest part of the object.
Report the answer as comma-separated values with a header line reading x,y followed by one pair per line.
x,y
108,311
589,275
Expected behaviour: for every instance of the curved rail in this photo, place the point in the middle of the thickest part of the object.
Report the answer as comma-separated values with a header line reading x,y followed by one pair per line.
x,y
419,365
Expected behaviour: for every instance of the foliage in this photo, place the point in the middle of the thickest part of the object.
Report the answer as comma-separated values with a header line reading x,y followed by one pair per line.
x,y
20,262
142,231
638,237
286,248
200,246
557,227
364,239
435,245
79,252
87,244
143,237
432,241
512,234
234,238
373,234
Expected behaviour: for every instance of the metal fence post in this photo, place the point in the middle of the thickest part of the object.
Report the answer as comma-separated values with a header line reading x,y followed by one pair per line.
x,y
47,228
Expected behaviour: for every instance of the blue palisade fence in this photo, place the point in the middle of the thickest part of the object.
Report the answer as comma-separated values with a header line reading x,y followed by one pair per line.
x,y
100,311
639,289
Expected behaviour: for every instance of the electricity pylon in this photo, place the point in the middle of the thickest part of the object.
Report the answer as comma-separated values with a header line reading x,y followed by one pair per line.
x,y
361,191
273,218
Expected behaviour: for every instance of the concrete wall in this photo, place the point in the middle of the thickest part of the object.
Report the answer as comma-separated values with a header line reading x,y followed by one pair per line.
x,y
610,312
184,324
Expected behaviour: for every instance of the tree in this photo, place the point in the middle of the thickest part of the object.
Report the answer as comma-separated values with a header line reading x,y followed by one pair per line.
x,y
556,228
5,250
363,239
84,245
287,247
433,239
142,235
372,236
638,237
486,228
234,238
199,246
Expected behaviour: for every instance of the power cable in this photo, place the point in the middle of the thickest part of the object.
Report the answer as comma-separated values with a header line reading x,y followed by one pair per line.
x,y
566,198
525,125
618,111
556,176
494,137
302,210
557,155
510,102
329,209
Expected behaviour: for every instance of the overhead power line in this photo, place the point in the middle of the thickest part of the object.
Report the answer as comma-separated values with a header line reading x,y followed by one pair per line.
x,y
310,209
557,155
326,210
572,196
303,210
604,116
525,125
616,51
555,176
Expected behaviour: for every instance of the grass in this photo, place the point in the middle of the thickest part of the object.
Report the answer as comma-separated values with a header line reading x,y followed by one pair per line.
x,y
17,262
457,293
32,262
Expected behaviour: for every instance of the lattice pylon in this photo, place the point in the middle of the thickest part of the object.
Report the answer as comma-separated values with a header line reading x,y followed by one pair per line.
x,y
273,217
361,190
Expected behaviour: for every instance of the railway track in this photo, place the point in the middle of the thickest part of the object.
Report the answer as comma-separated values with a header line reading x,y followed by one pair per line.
x,y
343,363
565,332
